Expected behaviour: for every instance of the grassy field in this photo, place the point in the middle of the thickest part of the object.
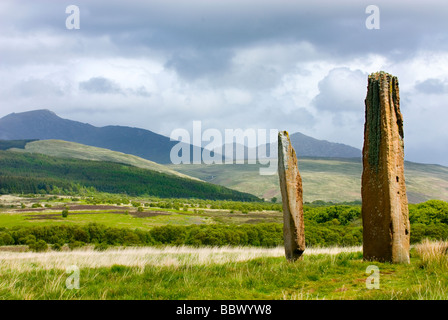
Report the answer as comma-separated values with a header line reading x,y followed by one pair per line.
x,y
119,216
323,179
110,218
204,272
221,273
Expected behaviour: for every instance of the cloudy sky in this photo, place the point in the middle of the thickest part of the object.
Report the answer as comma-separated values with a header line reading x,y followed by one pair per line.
x,y
284,64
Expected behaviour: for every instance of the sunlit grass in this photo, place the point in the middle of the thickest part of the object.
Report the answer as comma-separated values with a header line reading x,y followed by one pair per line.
x,y
221,273
142,256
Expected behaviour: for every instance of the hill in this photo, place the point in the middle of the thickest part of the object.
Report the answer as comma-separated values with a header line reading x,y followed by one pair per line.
x,y
36,173
334,180
66,149
45,124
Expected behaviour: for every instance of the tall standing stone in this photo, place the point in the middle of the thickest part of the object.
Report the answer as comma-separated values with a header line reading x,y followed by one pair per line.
x,y
292,198
385,215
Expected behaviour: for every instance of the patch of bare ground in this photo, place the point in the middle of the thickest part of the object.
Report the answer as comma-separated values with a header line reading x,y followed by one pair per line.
x,y
256,215
146,214
255,221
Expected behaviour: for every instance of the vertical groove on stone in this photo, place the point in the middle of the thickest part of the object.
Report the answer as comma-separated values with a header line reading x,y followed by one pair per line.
x,y
292,198
386,229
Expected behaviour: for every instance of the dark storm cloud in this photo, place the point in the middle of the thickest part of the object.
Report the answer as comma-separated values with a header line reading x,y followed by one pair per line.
x,y
196,63
100,85
212,30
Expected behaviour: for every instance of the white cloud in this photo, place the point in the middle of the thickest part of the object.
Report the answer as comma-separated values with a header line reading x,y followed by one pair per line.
x,y
236,64
37,88
342,90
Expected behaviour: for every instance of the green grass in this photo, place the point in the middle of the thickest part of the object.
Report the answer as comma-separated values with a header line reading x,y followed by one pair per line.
x,y
117,220
16,210
334,180
324,276
12,217
182,275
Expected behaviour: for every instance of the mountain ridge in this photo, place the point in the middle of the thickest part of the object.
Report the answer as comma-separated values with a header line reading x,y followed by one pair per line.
x,y
44,124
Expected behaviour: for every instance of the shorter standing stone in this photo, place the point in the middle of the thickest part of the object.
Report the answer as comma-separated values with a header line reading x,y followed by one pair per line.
x,y
292,198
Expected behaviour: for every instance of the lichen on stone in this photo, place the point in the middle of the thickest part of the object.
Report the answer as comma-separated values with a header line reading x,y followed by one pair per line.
x,y
374,119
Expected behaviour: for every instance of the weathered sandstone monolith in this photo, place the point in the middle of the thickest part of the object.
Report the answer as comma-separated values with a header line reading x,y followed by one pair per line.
x,y
385,215
292,198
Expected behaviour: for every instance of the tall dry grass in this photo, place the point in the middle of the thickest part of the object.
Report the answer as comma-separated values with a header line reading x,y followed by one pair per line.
x,y
434,259
142,256
433,252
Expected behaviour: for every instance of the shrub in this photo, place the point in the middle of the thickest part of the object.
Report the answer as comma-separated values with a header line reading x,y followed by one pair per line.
x,y
6,239
101,246
113,236
80,235
65,213
136,204
27,239
169,234
75,244
37,246
131,239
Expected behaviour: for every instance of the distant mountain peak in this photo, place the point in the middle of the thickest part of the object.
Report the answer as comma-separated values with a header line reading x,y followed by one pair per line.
x,y
34,112
311,147
44,124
